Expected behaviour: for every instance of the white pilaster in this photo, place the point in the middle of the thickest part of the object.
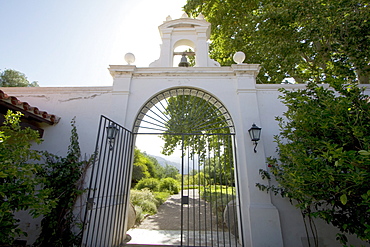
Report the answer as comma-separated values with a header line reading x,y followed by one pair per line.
x,y
166,56
122,77
201,47
261,223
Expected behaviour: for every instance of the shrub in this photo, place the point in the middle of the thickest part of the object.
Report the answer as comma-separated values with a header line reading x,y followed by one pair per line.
x,y
137,196
161,197
139,214
145,200
149,183
148,207
169,184
219,197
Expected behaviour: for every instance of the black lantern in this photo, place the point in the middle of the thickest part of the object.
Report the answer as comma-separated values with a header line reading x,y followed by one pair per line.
x,y
112,131
255,133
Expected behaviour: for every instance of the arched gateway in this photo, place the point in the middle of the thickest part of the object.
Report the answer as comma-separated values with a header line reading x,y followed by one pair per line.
x,y
207,111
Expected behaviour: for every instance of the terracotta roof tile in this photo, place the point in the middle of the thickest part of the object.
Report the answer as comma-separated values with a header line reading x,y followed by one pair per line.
x,y
24,106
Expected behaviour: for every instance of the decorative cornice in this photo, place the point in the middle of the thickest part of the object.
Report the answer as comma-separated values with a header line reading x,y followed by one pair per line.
x,y
246,69
121,70
237,70
41,91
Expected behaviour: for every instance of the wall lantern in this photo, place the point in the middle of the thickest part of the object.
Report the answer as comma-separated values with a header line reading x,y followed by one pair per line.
x,y
255,133
112,131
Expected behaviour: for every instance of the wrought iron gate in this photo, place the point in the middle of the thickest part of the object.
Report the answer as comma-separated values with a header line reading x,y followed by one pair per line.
x,y
209,205
107,198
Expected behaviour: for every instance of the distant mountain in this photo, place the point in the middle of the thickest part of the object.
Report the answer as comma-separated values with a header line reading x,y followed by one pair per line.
x,y
162,161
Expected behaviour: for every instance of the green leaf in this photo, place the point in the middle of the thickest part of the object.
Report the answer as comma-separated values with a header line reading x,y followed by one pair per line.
x,y
343,199
364,152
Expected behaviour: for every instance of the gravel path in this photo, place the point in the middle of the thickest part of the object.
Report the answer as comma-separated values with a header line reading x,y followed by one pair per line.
x,y
197,214
164,228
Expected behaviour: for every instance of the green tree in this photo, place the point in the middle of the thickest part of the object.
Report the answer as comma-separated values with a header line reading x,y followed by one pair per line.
x,y
145,166
159,170
140,170
13,78
193,115
170,185
308,40
323,164
196,179
152,164
21,188
150,183
170,171
216,171
192,125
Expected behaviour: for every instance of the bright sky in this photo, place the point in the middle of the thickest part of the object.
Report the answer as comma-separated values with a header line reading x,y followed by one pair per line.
x,y
72,42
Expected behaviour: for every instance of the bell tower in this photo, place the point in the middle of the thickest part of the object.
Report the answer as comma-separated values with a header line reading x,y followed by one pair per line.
x,y
185,31
137,89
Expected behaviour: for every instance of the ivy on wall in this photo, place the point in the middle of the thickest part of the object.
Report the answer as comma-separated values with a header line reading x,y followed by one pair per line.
x,y
64,177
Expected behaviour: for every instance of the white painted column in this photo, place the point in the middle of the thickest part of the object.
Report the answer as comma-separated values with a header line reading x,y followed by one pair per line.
x,y
166,57
122,77
201,57
122,80
261,223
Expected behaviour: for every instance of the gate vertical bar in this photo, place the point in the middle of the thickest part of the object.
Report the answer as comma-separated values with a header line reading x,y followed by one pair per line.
x,y
106,196
124,184
188,199
182,192
237,179
120,169
209,191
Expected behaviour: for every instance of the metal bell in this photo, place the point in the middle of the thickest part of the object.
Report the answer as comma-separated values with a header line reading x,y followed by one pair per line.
x,y
184,61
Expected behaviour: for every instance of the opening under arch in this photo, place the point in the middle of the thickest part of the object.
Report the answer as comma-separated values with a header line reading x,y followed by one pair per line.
x,y
184,47
199,125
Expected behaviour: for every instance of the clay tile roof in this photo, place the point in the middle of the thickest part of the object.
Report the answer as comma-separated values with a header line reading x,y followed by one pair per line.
x,y
29,111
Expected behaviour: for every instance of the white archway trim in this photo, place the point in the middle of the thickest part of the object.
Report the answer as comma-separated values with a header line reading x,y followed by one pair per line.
x,y
155,110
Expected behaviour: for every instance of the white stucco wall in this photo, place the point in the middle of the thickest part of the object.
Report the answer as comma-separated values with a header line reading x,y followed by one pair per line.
x,y
67,103
271,221
291,220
